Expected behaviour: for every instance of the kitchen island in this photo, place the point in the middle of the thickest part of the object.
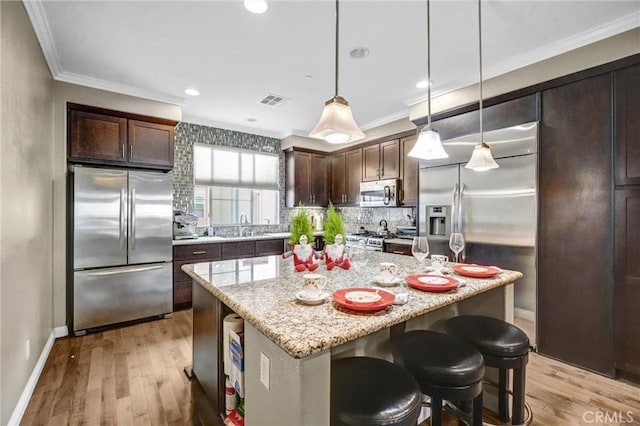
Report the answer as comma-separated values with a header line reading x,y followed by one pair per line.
x,y
298,341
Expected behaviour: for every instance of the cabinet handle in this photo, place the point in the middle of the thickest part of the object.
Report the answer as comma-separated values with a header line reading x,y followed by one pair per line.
x,y
122,150
200,252
398,252
130,151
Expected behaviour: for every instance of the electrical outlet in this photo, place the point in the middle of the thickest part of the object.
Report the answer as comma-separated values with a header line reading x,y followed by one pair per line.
x,y
264,370
28,349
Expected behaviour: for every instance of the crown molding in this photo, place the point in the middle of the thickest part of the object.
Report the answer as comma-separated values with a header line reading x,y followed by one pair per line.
x,y
40,24
233,127
560,47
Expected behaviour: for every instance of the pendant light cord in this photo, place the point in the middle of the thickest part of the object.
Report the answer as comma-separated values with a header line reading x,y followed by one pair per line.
x,y
480,63
337,37
428,68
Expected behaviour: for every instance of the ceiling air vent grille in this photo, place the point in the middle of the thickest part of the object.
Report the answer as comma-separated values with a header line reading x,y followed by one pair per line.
x,y
274,100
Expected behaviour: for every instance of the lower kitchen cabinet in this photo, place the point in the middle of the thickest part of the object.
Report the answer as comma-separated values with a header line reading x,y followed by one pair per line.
x,y
398,249
198,253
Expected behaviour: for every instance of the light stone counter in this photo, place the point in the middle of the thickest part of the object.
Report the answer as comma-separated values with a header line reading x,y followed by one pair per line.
x,y
261,290
218,239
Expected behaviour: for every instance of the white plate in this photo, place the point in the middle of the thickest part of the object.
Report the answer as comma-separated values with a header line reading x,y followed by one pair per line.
x,y
434,280
362,296
302,297
395,281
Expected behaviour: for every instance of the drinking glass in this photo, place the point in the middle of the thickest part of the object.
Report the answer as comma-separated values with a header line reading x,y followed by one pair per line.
x,y
456,244
358,256
420,249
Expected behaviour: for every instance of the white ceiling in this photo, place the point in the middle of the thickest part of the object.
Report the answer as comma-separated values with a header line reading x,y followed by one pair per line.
x,y
156,49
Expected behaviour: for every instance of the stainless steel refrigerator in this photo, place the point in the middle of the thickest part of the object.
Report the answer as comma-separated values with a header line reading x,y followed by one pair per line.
x,y
496,210
122,246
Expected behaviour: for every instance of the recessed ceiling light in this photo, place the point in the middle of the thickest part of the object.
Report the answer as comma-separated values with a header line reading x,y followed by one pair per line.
x,y
252,120
256,6
422,84
359,53
192,92
308,76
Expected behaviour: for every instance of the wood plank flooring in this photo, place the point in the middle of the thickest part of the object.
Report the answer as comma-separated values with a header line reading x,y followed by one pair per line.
x,y
134,376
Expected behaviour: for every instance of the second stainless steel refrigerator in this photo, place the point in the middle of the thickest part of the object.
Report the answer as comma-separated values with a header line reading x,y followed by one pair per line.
x,y
496,210
122,246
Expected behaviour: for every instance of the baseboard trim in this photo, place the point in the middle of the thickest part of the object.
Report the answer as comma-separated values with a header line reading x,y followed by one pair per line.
x,y
525,314
23,402
61,331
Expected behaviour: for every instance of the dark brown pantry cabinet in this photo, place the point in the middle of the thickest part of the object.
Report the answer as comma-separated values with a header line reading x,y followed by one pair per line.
x,y
409,167
345,176
306,178
101,136
381,161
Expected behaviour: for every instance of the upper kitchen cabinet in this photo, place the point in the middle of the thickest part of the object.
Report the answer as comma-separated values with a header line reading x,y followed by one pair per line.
x,y
627,139
100,136
409,167
346,175
381,161
306,180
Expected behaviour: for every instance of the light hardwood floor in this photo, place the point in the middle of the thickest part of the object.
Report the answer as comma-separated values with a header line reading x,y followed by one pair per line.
x,y
134,375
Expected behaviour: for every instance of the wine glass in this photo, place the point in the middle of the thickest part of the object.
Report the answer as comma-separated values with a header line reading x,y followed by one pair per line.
x,y
358,256
420,249
456,244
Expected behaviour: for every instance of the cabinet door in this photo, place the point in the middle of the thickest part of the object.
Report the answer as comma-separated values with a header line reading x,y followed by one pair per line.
x,y
338,178
627,144
319,180
354,176
409,172
97,137
390,159
371,163
151,144
627,281
298,166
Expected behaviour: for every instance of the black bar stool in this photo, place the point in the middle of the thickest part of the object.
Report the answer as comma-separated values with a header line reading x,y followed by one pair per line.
x,y
503,346
445,367
370,391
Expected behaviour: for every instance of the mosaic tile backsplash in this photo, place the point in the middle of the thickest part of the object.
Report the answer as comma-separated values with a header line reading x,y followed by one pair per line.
x,y
188,133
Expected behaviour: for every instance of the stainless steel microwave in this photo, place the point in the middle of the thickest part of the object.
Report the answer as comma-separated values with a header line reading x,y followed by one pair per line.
x,y
381,193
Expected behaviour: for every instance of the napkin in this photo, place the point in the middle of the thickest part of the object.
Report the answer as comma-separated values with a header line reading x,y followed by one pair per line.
x,y
401,297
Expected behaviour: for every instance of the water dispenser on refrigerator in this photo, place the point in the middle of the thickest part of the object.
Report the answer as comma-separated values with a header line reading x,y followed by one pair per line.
x,y
438,222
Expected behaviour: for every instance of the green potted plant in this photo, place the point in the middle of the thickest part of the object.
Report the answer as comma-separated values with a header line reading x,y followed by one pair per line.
x,y
300,225
333,225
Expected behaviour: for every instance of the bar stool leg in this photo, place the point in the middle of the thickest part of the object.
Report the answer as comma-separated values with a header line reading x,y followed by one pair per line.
x,y
519,394
477,411
436,411
503,396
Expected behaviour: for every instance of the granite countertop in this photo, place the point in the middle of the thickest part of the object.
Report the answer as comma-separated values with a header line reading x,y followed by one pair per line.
x,y
261,290
218,239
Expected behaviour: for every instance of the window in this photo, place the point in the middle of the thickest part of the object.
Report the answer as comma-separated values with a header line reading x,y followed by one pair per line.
x,y
235,186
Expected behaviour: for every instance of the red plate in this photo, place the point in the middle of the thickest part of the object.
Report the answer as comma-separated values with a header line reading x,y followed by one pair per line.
x,y
439,282
476,271
386,300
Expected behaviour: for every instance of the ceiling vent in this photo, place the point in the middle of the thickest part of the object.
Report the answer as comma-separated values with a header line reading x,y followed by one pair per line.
x,y
274,100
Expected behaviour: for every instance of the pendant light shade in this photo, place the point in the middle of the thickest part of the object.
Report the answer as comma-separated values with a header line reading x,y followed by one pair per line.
x,y
481,157
428,146
337,124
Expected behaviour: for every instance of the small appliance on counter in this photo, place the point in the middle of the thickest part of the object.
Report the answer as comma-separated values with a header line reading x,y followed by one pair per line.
x,y
184,226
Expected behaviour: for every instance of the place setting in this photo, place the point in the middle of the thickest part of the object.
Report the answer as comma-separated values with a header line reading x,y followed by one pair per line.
x,y
312,292
435,279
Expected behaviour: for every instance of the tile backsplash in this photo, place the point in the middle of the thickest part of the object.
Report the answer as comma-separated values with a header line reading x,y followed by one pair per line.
x,y
188,133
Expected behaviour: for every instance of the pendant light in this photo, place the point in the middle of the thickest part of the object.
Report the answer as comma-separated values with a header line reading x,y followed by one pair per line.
x,y
481,158
428,146
337,124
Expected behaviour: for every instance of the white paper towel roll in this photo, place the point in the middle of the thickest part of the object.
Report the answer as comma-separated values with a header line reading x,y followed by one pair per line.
x,y
231,322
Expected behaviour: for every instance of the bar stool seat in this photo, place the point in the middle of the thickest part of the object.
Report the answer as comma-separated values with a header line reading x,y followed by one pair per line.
x,y
503,346
369,392
446,368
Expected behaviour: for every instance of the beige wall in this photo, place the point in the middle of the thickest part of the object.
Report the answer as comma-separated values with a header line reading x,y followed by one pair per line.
x,y
63,93
26,199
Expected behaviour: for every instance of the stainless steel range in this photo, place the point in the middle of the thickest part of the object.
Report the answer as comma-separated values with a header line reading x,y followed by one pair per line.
x,y
370,240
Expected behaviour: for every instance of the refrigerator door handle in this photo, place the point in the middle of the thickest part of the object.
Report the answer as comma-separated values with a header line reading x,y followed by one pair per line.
x,y
133,219
122,217
460,200
454,207
123,271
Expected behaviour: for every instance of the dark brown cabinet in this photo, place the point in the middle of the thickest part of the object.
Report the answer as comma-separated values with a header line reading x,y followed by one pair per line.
x,y
100,136
346,175
627,144
575,293
381,161
306,178
395,248
627,278
409,166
